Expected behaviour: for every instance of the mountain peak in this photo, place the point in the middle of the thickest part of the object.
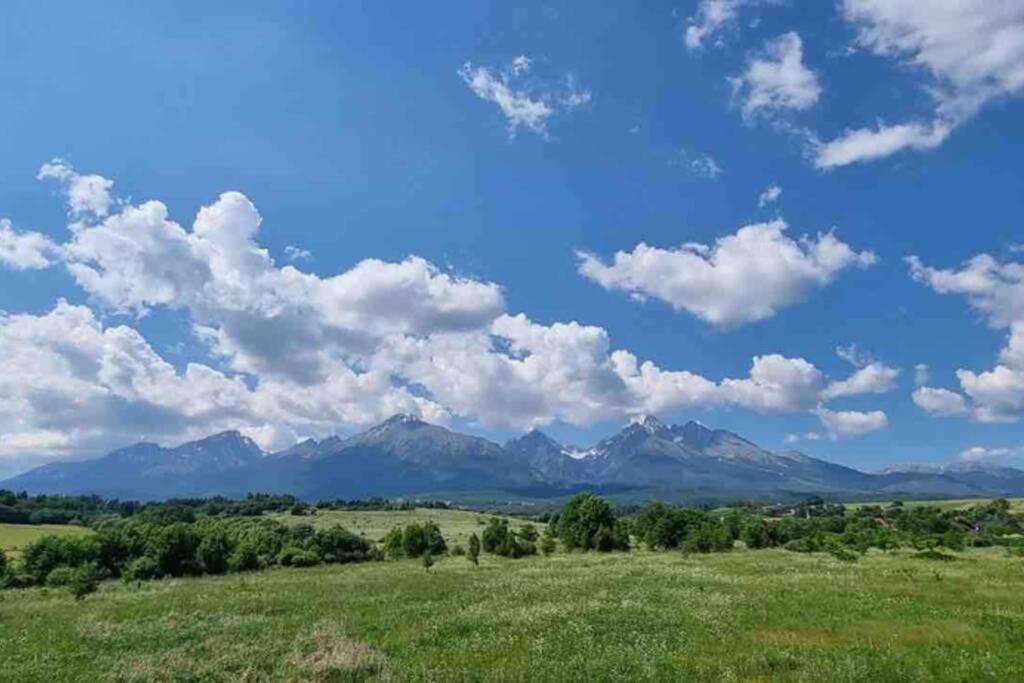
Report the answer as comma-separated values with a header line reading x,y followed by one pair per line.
x,y
402,419
648,423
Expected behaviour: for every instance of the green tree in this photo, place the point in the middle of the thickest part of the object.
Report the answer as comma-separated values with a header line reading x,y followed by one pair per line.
x,y
214,552
84,580
173,547
584,518
473,553
547,543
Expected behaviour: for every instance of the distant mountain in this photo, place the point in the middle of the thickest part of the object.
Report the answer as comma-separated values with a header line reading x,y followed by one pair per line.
x,y
406,457
218,464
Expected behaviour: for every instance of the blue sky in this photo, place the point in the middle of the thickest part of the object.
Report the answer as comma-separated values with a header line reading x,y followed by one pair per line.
x,y
366,131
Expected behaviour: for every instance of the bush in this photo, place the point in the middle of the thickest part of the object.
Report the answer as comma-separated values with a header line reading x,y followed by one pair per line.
x,y
49,552
709,537
173,548
141,569
418,539
547,543
245,558
3,569
84,580
214,552
473,553
305,558
60,577
337,544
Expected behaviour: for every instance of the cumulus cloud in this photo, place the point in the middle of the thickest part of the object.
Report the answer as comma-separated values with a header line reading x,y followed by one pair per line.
x,y
777,79
848,423
983,455
88,196
23,250
938,401
747,276
972,50
524,102
996,290
770,195
293,354
711,18
874,378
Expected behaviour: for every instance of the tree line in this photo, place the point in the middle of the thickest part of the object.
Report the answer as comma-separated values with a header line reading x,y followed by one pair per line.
x,y
173,540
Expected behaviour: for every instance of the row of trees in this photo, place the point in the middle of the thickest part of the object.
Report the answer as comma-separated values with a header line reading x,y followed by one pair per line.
x,y
21,508
138,549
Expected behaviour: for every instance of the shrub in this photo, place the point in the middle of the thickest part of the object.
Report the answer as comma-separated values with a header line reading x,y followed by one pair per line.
x,y
305,558
245,558
84,580
547,543
49,552
141,569
473,553
341,545
428,560
173,547
60,576
709,537
458,550
214,552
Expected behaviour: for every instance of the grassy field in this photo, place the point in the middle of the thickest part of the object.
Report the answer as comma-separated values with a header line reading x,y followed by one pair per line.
x,y
457,525
1016,504
14,537
747,615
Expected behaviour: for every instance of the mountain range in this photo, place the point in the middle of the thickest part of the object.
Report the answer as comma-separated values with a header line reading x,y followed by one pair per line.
x,y
407,457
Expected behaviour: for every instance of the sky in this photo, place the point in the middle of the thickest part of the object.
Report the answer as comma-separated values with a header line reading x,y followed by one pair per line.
x,y
800,221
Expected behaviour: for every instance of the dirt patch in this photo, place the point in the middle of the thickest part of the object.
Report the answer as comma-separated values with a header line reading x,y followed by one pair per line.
x,y
327,654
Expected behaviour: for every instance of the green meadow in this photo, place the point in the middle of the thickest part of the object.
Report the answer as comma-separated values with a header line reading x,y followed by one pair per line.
x,y
738,616
457,525
14,537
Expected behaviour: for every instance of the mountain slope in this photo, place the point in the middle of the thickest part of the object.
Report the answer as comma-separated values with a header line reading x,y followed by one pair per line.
x,y
405,456
218,464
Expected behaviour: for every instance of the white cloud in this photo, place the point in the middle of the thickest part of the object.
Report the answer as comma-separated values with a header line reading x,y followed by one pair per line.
x,y
973,50
854,355
302,355
984,455
743,277
770,195
866,144
700,165
25,250
797,438
777,79
524,103
88,195
712,16
874,378
938,401
297,253
922,375
849,423
995,289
